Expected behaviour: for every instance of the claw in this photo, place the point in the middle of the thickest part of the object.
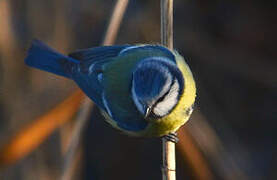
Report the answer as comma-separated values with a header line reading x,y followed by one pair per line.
x,y
172,137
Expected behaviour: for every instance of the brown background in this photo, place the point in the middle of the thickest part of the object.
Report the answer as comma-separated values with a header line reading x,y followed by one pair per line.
x,y
229,45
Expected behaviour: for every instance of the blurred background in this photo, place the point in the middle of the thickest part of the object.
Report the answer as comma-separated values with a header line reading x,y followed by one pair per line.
x,y
230,47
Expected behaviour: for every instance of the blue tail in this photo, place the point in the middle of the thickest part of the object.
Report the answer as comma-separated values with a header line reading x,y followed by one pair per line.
x,y
43,57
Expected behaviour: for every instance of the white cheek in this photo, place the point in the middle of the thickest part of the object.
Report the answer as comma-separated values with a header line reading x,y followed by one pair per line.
x,y
170,100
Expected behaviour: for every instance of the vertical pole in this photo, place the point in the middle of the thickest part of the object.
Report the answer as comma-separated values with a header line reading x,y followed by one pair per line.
x,y
169,163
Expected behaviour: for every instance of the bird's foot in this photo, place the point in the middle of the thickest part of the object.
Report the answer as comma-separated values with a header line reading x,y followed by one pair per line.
x,y
172,137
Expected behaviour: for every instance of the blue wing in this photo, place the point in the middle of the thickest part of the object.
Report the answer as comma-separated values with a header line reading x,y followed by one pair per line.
x,y
88,73
98,53
105,52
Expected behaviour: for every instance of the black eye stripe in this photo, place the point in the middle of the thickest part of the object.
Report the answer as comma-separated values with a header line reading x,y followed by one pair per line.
x,y
178,76
163,97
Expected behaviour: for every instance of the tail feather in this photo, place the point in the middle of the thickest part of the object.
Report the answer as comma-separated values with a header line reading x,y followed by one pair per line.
x,y
43,57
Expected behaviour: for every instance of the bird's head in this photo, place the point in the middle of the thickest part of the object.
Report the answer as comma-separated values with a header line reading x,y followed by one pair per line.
x,y
157,85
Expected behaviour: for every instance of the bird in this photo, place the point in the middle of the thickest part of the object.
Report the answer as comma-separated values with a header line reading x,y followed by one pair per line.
x,y
143,90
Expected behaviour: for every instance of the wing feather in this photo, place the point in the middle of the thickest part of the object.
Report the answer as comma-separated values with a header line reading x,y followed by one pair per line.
x,y
87,74
98,53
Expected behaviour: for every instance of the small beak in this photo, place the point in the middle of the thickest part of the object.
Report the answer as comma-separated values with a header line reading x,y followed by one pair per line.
x,y
147,112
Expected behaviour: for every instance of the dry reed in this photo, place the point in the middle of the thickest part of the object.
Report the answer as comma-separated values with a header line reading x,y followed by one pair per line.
x,y
169,164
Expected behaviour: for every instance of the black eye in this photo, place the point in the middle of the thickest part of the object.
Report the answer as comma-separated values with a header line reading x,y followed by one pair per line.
x,y
161,98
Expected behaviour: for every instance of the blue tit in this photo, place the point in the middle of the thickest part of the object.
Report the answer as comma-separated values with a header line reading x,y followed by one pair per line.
x,y
142,90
